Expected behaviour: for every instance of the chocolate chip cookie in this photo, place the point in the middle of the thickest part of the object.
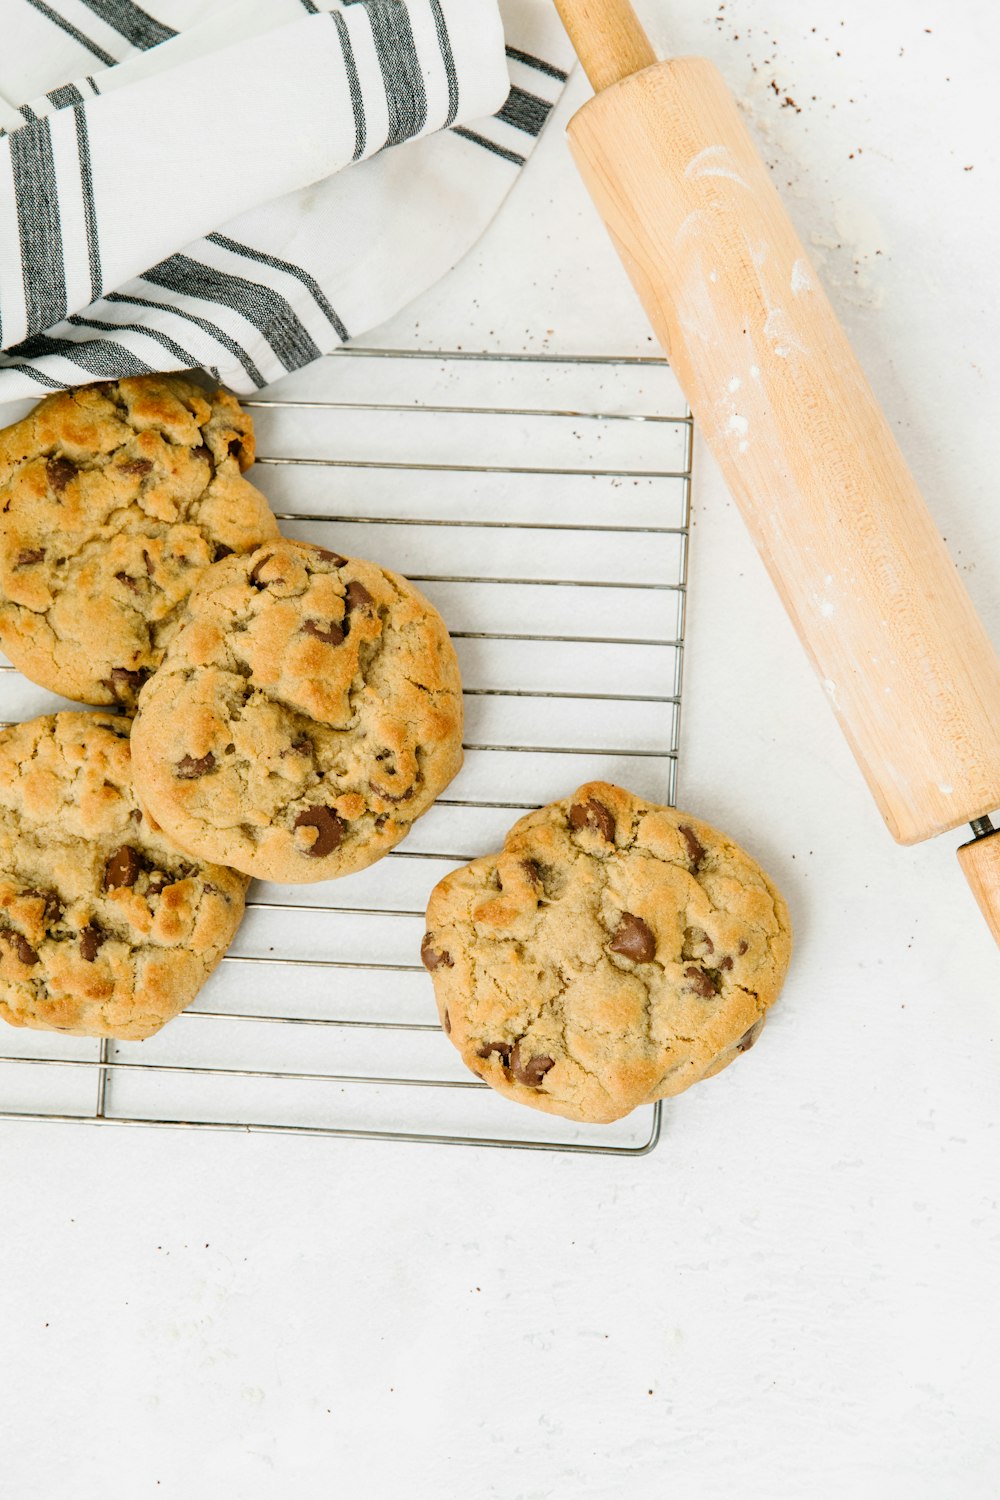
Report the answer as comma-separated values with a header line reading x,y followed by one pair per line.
x,y
112,499
308,710
106,929
614,952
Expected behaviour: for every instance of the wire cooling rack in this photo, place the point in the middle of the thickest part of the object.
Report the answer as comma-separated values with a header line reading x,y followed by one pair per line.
x,y
542,502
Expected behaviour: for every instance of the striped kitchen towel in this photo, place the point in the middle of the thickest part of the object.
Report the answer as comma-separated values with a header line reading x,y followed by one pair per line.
x,y
214,189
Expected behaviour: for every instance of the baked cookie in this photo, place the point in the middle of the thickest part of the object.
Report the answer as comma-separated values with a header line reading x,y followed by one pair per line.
x,y
112,499
106,929
614,952
308,710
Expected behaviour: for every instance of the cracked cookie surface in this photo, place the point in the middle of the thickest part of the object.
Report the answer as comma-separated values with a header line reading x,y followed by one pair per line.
x,y
113,498
106,928
307,712
613,953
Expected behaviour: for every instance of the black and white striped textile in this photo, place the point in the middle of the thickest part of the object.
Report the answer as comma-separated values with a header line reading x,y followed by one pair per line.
x,y
173,190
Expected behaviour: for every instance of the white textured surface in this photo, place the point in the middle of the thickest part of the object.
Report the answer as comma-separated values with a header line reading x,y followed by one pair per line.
x,y
804,1274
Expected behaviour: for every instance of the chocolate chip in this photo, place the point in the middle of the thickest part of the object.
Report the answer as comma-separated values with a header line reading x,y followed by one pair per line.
x,y
696,937
332,633
529,1071
235,447
59,472
29,556
138,466
303,745
380,791
695,848
191,767
53,908
329,829
594,815
748,1038
356,596
434,958
130,583
149,563
633,939
533,871
328,556
502,1050
221,551
725,963
744,945
122,678
91,938
158,881
122,869
447,1023
21,947
255,573
704,982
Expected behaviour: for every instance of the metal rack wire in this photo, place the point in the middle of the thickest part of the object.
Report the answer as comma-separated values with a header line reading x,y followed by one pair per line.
x,y
543,503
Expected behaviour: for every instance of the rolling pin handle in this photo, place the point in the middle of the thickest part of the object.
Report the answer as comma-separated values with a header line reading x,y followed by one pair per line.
x,y
980,861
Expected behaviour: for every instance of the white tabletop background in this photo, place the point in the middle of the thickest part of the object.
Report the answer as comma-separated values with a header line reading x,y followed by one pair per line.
x,y
795,1295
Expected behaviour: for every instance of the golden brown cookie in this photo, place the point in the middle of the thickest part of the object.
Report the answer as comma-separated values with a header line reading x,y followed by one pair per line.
x,y
106,928
613,953
113,498
308,710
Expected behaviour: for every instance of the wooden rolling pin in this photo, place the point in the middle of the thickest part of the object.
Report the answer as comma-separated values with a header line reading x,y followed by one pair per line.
x,y
805,449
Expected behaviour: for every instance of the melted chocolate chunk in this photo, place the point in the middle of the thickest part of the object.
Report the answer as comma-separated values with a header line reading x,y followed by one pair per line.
x,y
748,1038
696,937
531,1070
138,466
704,982
59,472
91,939
502,1050
434,958
533,871
235,447
53,909
380,791
122,678
725,963
21,947
447,1023
122,869
158,882
190,767
129,582
594,815
328,556
254,578
31,555
695,848
744,945
221,551
356,596
633,939
329,829
332,633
